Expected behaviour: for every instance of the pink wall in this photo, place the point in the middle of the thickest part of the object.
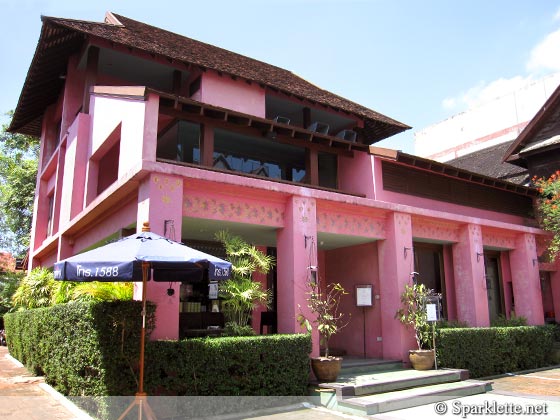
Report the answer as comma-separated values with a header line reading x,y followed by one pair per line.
x,y
355,174
450,293
526,281
506,282
295,254
225,92
394,272
160,198
452,209
351,266
470,280
555,288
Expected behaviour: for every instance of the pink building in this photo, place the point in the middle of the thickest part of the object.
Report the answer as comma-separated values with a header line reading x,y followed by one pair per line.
x,y
139,124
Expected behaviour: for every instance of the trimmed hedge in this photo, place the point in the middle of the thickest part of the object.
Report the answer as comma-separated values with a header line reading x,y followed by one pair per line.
x,y
493,351
91,349
261,365
81,348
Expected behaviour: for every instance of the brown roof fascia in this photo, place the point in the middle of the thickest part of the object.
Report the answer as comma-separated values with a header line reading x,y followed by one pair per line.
x,y
464,175
512,153
383,152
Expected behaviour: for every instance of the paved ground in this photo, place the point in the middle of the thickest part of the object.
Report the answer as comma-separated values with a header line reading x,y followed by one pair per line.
x,y
25,397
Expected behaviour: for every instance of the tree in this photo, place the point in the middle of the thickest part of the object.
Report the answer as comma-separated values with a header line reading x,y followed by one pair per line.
x,y
19,155
241,294
548,209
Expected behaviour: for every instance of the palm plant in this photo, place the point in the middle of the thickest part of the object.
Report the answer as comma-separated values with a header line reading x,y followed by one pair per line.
x,y
35,290
240,293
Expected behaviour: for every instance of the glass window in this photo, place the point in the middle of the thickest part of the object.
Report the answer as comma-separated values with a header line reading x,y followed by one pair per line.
x,y
180,142
258,156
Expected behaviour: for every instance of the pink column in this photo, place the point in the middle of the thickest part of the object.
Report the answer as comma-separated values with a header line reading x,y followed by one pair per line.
x,y
470,281
555,286
160,198
526,280
395,266
297,250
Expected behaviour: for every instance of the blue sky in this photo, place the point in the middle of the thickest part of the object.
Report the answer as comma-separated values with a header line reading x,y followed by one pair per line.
x,y
416,61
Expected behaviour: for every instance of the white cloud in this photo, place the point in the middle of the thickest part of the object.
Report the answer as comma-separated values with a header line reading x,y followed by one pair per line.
x,y
484,92
543,58
545,55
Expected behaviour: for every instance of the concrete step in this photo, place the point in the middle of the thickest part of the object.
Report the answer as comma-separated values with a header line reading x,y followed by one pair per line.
x,y
406,398
353,366
381,382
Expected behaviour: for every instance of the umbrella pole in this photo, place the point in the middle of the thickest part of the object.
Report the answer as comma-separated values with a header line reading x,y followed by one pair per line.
x,y
141,398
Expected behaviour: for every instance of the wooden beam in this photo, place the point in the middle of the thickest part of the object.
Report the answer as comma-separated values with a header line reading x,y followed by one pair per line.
x,y
91,75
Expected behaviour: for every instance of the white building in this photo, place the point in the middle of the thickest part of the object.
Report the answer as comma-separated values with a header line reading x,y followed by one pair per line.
x,y
492,123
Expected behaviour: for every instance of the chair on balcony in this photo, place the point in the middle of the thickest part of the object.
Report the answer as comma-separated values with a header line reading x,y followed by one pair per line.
x,y
348,135
281,120
319,127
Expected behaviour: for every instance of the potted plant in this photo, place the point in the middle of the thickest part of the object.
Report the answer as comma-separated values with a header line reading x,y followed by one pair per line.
x,y
413,313
324,305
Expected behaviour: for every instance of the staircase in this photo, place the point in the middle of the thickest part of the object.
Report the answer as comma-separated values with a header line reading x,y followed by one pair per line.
x,y
367,387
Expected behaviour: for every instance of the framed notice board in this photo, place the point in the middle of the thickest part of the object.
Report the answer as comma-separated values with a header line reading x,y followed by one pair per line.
x,y
364,295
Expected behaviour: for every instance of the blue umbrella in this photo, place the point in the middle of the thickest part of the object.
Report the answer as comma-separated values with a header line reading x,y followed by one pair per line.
x,y
131,259
122,261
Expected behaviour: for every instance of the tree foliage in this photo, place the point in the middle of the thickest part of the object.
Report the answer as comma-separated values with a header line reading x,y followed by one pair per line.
x,y
38,289
548,209
19,156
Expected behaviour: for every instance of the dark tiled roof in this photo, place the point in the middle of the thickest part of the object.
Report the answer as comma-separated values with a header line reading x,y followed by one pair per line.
x,y
489,162
147,38
542,126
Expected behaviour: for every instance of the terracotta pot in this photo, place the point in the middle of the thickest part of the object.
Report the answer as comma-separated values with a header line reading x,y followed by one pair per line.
x,y
326,369
422,359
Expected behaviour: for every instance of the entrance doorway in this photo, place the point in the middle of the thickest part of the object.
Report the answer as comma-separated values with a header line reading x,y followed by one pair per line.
x,y
494,285
428,263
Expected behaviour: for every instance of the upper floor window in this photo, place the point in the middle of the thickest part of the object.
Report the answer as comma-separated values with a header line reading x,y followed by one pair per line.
x,y
258,156
180,142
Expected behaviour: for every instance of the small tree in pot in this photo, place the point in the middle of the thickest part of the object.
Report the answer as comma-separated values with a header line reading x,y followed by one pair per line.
x,y
413,313
324,304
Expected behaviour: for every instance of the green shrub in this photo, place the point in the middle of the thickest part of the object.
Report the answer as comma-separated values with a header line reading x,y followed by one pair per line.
x,y
91,349
81,348
514,321
261,365
444,323
493,351
232,329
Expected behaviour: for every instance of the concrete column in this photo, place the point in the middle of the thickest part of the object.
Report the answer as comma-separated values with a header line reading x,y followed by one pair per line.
x,y
555,287
160,198
396,262
470,281
525,279
296,251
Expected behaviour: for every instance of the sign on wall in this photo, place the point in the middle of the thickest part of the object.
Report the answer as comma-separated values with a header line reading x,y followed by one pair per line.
x,y
364,295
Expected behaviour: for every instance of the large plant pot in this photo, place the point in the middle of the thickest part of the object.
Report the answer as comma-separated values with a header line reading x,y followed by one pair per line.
x,y
326,369
422,359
